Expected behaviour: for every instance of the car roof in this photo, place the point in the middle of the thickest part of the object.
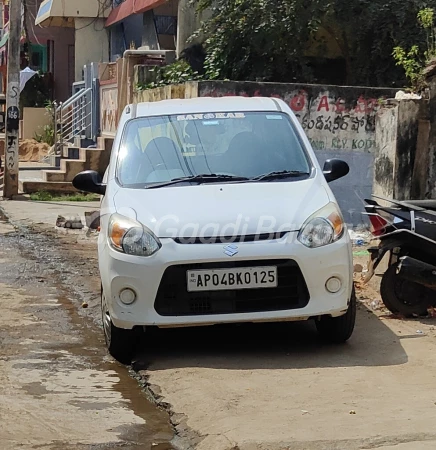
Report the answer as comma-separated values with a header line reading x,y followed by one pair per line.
x,y
205,105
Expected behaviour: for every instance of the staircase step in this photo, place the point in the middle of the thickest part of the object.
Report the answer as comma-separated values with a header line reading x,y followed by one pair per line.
x,y
68,170
71,152
93,157
82,141
83,153
30,187
52,176
71,164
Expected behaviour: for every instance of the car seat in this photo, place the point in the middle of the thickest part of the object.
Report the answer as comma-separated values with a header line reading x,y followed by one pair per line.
x,y
246,155
165,158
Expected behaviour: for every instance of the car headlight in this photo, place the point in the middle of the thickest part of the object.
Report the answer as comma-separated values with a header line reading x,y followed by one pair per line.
x,y
323,227
130,237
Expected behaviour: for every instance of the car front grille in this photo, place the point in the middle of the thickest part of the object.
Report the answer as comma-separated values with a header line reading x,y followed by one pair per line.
x,y
231,239
173,299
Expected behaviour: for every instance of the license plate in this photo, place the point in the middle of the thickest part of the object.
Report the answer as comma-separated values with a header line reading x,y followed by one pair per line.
x,y
229,279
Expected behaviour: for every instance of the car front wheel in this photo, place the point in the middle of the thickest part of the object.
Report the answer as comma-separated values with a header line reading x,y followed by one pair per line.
x,y
339,329
120,343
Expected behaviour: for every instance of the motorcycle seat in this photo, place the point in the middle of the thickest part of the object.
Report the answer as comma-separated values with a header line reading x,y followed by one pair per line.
x,y
425,204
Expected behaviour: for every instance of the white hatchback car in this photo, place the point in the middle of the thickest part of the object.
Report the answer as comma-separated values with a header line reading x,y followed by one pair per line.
x,y
217,211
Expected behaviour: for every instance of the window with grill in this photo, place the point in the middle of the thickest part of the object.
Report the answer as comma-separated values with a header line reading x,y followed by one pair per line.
x,y
166,25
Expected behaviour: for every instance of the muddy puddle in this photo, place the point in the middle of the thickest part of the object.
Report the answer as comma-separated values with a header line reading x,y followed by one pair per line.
x,y
48,268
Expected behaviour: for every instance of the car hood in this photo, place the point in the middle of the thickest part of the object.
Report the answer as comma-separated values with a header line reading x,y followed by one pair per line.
x,y
223,209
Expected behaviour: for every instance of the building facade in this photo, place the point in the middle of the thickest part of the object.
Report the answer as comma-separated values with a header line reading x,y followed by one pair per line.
x,y
49,51
85,21
150,24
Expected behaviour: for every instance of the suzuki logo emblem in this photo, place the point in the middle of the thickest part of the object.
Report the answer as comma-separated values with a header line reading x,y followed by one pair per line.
x,y
231,250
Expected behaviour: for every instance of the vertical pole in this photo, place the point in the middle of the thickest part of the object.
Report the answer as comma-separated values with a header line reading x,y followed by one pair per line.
x,y
55,128
12,101
61,121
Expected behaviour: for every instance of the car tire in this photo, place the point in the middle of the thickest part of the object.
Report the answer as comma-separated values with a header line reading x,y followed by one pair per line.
x,y
120,343
339,329
404,297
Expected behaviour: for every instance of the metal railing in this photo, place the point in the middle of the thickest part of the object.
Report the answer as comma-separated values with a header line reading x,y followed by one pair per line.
x,y
73,118
77,117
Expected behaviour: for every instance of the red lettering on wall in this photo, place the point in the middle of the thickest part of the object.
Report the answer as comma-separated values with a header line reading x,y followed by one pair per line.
x,y
298,102
324,103
361,106
371,105
340,105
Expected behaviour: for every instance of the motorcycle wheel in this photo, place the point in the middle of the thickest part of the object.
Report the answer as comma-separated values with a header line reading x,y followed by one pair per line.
x,y
403,296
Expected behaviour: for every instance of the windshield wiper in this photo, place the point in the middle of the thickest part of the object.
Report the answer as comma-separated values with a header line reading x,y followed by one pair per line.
x,y
281,174
203,178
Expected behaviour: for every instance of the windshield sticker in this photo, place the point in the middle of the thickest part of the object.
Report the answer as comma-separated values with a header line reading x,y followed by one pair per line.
x,y
211,122
210,116
275,117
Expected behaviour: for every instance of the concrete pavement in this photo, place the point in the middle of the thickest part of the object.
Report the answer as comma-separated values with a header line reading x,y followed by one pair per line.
x,y
45,213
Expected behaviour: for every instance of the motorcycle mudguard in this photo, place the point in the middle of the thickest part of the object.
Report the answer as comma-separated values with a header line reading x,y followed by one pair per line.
x,y
377,254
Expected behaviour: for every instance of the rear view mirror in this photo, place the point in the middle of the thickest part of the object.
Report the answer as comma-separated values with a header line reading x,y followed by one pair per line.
x,y
89,181
335,169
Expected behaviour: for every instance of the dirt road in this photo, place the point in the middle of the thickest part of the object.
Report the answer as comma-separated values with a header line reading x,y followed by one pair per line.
x,y
266,387
58,388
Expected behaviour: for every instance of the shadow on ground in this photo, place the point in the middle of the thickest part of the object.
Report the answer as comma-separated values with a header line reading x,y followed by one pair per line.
x,y
269,346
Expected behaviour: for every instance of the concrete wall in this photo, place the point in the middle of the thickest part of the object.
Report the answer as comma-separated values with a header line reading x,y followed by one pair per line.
x,y
408,117
339,121
34,120
421,168
109,109
188,23
396,145
431,185
92,44
334,117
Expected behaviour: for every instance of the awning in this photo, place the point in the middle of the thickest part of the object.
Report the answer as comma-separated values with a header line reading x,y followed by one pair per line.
x,y
61,13
130,7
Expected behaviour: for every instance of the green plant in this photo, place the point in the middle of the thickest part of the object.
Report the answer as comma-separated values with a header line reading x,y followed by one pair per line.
x,y
48,132
44,196
426,20
412,64
47,135
414,60
177,73
270,40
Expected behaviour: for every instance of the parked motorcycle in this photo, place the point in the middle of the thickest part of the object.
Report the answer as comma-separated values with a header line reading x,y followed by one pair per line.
x,y
407,231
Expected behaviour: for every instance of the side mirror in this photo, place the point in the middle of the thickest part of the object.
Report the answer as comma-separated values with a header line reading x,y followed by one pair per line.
x,y
335,169
89,181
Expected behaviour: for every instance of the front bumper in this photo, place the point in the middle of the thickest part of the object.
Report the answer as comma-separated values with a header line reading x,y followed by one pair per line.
x,y
144,276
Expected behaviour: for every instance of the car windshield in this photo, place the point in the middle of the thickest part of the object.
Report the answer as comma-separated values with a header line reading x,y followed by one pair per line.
x,y
212,147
